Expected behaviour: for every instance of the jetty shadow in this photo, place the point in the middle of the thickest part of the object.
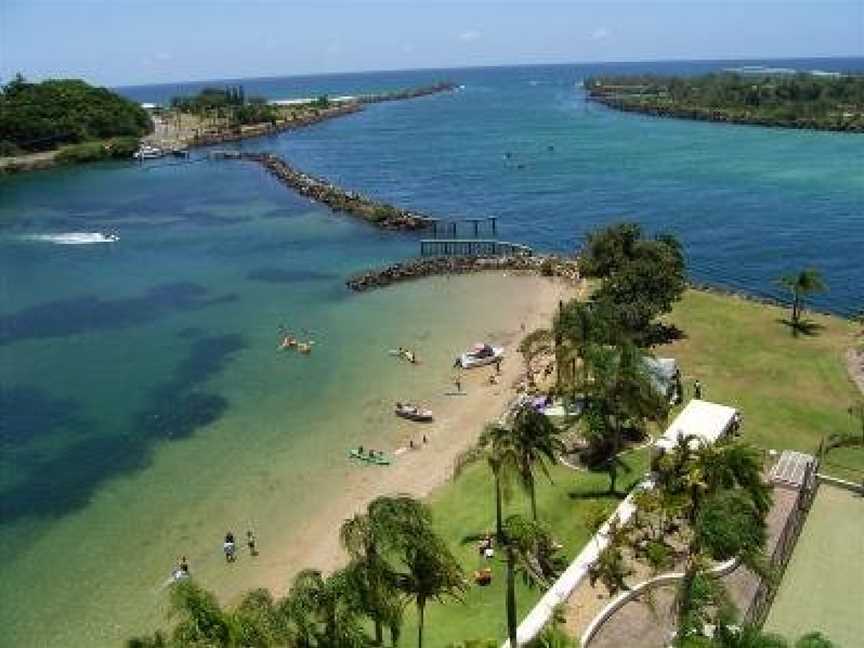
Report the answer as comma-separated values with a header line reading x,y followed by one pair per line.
x,y
66,479
91,313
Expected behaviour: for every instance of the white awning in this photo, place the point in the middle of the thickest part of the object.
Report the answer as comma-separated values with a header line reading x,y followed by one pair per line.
x,y
700,419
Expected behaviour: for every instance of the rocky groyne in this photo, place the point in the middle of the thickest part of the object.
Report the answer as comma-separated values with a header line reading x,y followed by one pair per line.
x,y
320,190
548,266
411,93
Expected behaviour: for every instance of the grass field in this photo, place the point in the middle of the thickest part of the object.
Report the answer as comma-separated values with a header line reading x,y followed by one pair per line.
x,y
792,391
466,507
823,586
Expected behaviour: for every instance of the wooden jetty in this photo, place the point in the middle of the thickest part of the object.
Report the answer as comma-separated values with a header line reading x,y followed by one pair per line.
x,y
473,247
449,226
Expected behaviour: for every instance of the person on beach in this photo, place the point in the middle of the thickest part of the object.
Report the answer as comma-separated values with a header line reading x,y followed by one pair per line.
x,y
498,366
250,542
425,440
697,389
229,547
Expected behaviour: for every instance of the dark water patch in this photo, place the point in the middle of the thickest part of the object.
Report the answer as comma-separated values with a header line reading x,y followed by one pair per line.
x,y
206,357
190,332
276,213
178,416
27,413
206,219
279,275
66,317
227,298
56,483
66,481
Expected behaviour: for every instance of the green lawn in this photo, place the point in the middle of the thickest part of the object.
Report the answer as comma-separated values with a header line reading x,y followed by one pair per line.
x,y
792,391
823,587
466,506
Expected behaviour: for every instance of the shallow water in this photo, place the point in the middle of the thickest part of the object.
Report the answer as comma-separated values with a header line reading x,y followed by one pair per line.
x,y
144,408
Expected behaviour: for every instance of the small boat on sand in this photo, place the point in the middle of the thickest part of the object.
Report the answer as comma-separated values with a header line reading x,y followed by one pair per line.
x,y
413,413
370,456
481,354
148,153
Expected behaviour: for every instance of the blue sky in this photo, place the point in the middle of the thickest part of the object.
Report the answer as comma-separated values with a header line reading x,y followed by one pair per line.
x,y
118,42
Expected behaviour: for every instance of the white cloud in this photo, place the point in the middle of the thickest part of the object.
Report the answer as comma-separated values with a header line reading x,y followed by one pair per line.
x,y
600,33
162,56
469,35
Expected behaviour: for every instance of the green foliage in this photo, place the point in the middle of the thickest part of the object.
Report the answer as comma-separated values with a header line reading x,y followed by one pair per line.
x,y
42,116
117,148
800,100
321,102
730,525
201,621
231,102
641,278
815,640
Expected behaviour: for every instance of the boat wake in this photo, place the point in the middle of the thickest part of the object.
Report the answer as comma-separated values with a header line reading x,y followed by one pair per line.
x,y
73,238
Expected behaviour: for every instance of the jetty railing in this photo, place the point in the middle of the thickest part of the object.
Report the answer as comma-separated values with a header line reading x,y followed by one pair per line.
x,y
472,247
450,226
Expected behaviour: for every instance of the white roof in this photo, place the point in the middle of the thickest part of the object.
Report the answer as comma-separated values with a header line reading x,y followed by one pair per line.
x,y
704,420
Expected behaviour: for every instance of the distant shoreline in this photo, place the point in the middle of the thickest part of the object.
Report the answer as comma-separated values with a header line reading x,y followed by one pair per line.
x,y
341,107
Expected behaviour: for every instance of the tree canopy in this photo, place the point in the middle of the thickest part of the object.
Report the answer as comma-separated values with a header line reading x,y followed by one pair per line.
x,y
832,102
641,278
42,116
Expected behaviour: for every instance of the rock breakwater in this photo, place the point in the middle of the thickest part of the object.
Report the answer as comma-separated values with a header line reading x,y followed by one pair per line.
x,y
549,266
320,190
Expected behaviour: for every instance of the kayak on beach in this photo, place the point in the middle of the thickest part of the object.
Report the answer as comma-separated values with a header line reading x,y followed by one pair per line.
x,y
371,456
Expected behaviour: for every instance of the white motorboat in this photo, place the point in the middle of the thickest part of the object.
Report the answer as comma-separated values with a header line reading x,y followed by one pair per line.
x,y
412,412
481,354
148,153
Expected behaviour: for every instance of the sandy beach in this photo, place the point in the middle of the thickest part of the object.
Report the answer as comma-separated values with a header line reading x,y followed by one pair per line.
x,y
458,423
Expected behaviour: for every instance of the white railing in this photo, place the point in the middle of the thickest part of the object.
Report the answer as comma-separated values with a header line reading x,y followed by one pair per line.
x,y
576,572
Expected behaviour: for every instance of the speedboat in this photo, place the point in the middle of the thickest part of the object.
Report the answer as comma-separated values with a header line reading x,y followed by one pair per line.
x,y
412,412
148,153
481,354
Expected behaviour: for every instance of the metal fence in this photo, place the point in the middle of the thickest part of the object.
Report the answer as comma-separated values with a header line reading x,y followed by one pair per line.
x,y
764,597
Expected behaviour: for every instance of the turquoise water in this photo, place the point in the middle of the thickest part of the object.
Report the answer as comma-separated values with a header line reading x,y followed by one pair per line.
x,y
142,406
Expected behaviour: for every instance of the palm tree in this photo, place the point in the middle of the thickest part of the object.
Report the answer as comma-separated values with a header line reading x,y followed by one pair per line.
x,y
535,441
431,574
257,621
324,611
579,326
531,551
202,621
367,537
534,344
620,394
801,284
501,457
